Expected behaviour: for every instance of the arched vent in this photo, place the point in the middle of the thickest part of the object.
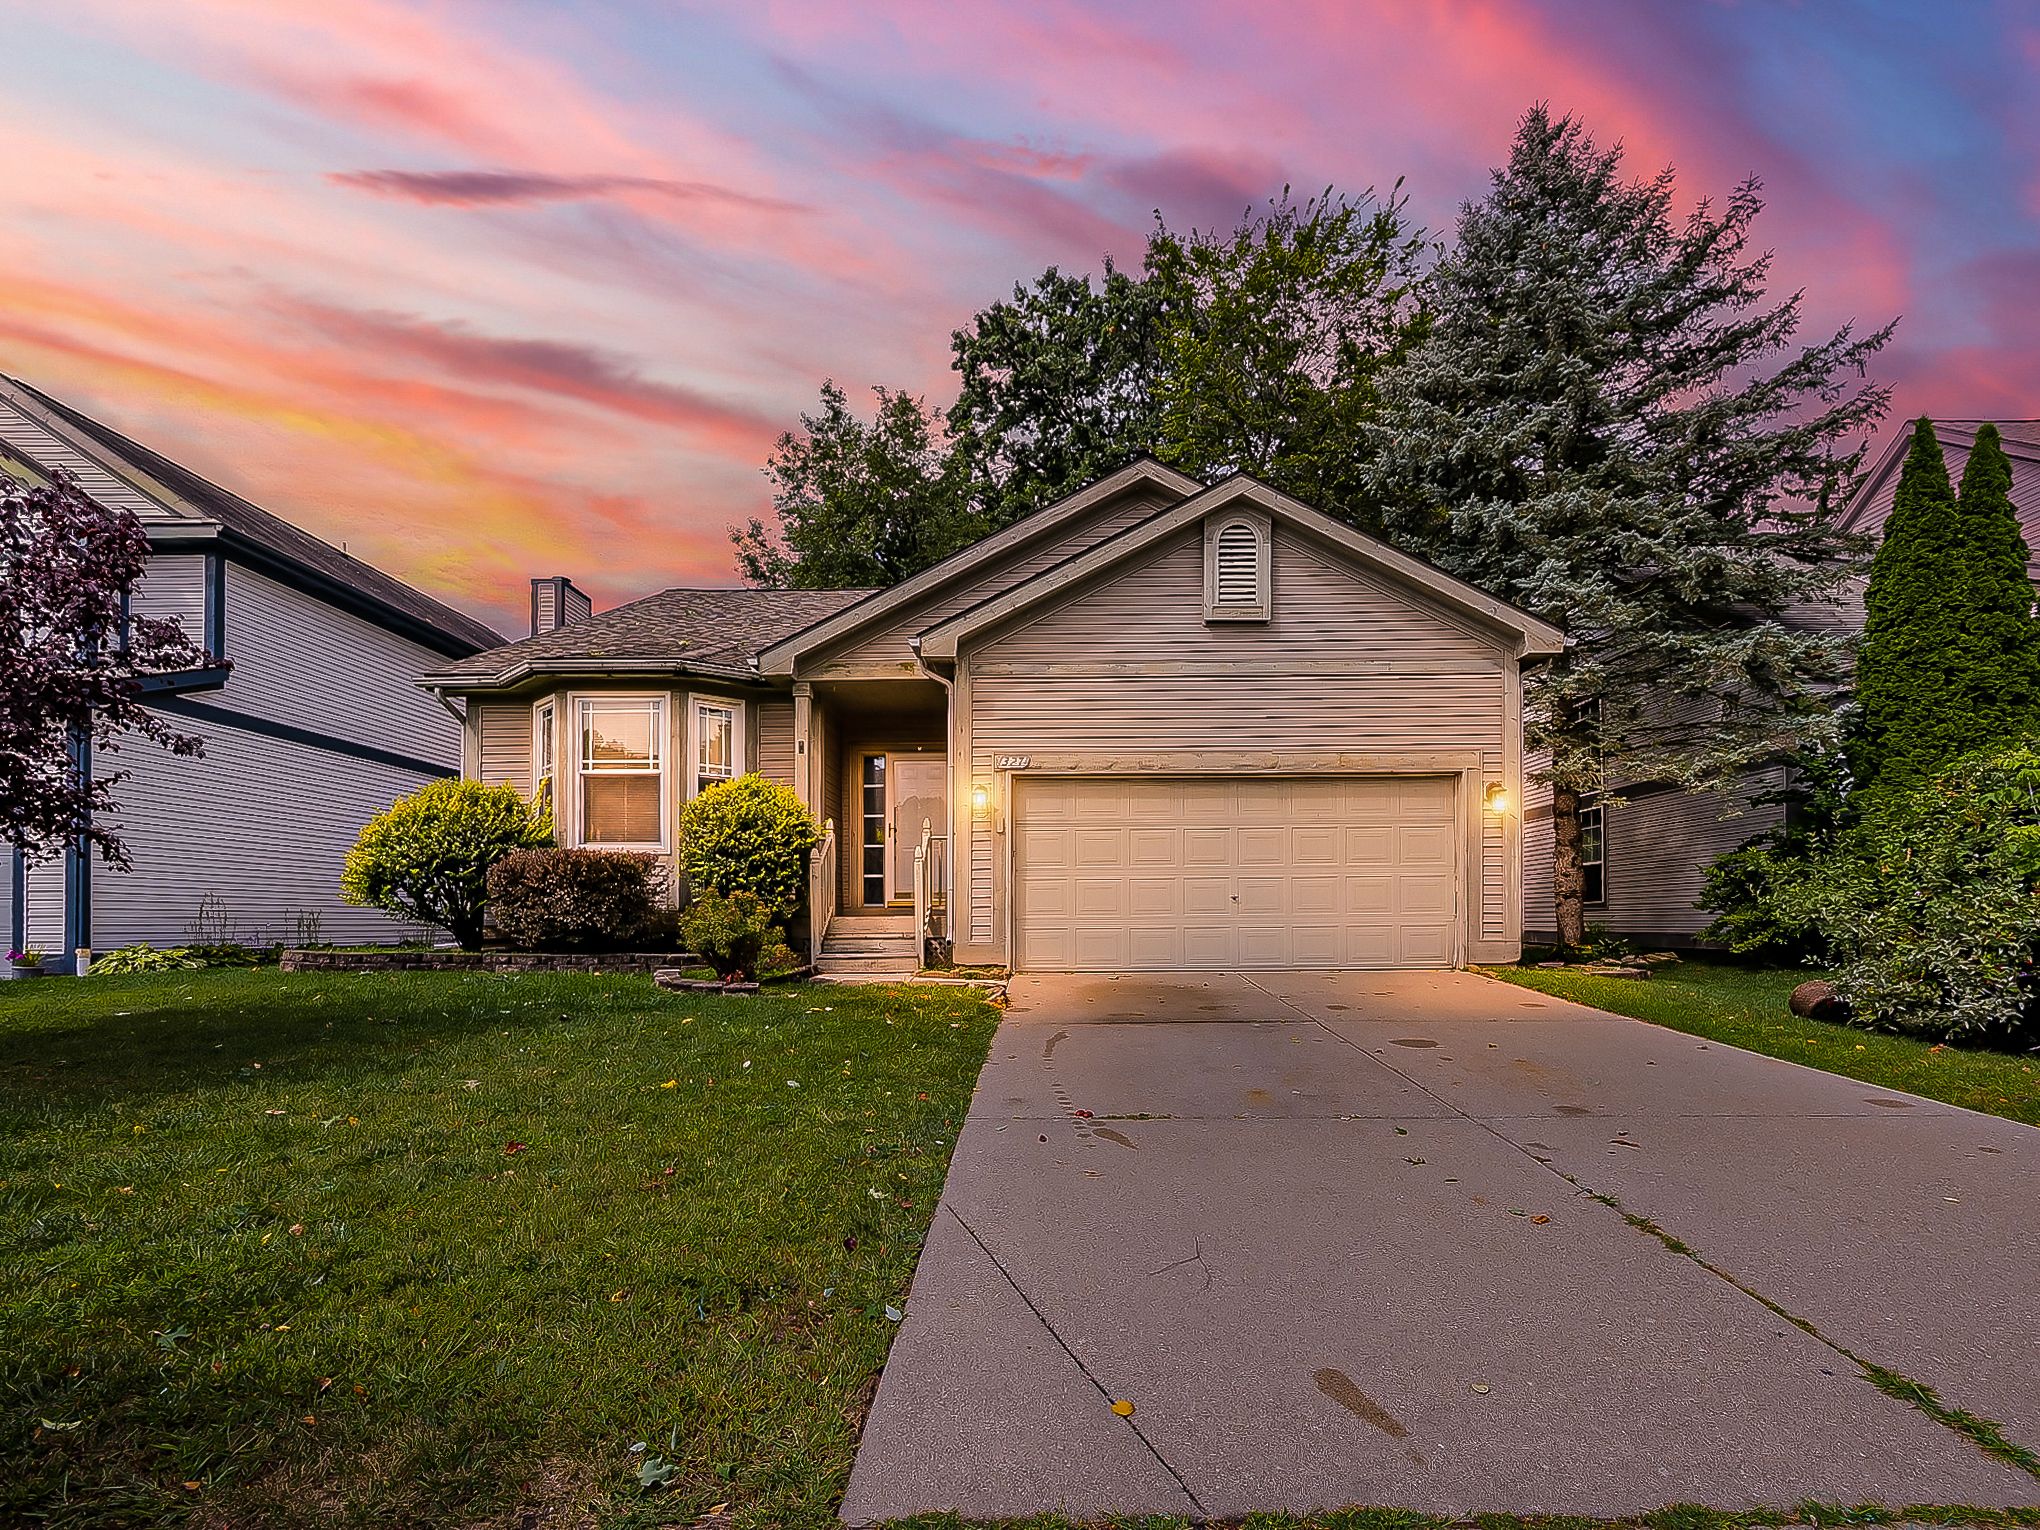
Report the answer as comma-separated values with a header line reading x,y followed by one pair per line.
x,y
1237,577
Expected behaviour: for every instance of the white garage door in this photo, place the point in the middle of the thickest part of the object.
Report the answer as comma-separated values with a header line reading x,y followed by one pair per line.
x,y
1129,874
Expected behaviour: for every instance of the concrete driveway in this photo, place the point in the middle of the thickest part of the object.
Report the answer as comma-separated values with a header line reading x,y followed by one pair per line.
x,y
1341,1239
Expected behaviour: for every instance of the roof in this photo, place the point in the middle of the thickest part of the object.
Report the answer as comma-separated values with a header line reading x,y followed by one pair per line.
x,y
1871,507
1533,635
172,501
707,632
780,656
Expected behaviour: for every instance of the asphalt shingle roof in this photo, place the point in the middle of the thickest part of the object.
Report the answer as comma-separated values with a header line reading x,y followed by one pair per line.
x,y
709,632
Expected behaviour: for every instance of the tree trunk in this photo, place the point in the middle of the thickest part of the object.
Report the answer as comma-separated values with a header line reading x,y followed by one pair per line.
x,y
1567,887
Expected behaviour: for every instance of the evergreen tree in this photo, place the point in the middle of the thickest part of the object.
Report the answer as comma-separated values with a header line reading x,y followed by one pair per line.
x,y
1612,426
2003,685
1951,657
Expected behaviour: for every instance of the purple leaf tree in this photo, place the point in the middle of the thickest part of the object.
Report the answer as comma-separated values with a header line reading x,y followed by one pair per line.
x,y
72,664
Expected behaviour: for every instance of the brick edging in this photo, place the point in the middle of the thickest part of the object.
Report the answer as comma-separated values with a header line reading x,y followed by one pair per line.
x,y
608,963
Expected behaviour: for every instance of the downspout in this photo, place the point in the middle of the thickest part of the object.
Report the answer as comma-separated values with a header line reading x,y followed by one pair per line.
x,y
949,829
468,744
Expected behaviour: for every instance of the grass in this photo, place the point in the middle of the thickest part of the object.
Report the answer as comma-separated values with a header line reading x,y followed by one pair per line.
x,y
1746,1007
440,1249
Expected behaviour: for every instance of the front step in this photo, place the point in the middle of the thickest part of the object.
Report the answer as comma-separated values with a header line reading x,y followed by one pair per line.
x,y
871,945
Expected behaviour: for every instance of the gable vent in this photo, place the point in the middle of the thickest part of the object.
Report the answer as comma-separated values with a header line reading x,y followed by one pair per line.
x,y
1239,566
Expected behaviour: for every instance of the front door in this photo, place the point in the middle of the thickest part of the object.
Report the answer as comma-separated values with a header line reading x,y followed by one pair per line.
x,y
897,793
918,800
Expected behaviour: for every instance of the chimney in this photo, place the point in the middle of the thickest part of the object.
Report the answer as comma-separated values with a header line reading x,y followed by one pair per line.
x,y
556,603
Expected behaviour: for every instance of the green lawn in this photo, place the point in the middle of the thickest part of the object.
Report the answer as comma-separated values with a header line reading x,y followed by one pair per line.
x,y
432,1249
1746,1008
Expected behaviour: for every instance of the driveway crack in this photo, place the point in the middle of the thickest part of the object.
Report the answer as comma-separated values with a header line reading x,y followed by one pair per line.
x,y
1104,1392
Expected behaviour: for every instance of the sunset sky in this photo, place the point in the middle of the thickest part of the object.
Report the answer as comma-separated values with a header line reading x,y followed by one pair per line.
x,y
493,288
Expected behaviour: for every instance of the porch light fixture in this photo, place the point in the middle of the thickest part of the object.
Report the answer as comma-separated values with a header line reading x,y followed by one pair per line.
x,y
980,798
1497,797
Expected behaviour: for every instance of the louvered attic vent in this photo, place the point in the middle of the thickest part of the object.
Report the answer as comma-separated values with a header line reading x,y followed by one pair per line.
x,y
1236,571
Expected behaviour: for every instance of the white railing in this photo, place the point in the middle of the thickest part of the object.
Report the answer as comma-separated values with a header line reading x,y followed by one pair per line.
x,y
931,888
821,889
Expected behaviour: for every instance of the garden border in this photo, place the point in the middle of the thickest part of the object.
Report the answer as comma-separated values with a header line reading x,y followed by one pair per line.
x,y
399,959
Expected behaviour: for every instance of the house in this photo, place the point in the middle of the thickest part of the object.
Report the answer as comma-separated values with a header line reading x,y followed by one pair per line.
x,y
308,707
1157,724
1645,853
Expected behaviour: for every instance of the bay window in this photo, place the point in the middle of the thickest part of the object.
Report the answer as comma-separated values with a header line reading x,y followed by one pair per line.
x,y
622,772
544,770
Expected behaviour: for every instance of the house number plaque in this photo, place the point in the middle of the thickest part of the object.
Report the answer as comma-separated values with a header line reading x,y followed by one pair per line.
x,y
1013,761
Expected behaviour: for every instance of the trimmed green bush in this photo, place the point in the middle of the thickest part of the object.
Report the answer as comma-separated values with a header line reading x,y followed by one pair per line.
x,y
729,931
749,835
427,857
575,900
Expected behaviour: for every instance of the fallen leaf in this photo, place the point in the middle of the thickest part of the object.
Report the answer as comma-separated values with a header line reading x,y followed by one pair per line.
x,y
1123,1408
274,1112
671,1083
1540,1221
893,1314
193,1487
1481,1387
297,1229
512,1147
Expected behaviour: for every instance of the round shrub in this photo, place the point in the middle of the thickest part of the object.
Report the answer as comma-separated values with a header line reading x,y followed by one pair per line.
x,y
1931,909
575,900
729,931
749,835
427,857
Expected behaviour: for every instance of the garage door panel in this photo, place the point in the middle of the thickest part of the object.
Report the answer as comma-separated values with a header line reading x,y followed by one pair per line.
x,y
1157,872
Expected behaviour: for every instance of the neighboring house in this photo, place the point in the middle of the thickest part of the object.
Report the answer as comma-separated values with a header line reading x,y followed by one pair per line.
x,y
1162,724
309,710
1646,851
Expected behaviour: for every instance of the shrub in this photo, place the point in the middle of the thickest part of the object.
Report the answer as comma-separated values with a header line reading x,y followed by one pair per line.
x,y
143,957
1767,895
729,931
575,900
749,835
428,857
1931,908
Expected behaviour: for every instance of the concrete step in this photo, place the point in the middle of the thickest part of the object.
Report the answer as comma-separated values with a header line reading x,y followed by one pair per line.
x,y
827,965
868,945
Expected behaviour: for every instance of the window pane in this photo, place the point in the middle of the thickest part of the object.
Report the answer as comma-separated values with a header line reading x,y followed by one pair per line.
x,y
620,810
620,735
718,729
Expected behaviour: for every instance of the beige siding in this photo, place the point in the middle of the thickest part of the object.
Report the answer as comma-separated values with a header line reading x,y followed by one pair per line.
x,y
775,740
889,644
1348,665
505,728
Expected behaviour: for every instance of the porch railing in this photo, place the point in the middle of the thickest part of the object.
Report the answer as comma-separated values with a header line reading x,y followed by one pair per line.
x,y
931,888
821,889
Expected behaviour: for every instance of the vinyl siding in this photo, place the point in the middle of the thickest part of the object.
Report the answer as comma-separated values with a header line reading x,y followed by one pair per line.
x,y
1657,848
1346,664
774,737
505,728
262,823
889,644
300,661
46,907
172,588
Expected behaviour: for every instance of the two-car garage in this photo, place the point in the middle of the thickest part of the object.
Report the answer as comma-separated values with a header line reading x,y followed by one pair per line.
x,y
1129,873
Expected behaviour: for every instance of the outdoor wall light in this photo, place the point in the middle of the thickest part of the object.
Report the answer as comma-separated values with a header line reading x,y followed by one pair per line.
x,y
980,798
1497,797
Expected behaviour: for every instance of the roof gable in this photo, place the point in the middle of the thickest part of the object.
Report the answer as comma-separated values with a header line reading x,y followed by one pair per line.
x,y
880,606
1527,634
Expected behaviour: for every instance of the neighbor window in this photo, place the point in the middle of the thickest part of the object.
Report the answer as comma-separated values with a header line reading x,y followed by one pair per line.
x,y
622,770
715,744
542,764
1593,853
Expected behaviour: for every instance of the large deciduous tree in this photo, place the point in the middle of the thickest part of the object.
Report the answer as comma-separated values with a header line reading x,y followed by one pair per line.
x,y
71,665
1612,425
1950,658
1275,333
858,503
